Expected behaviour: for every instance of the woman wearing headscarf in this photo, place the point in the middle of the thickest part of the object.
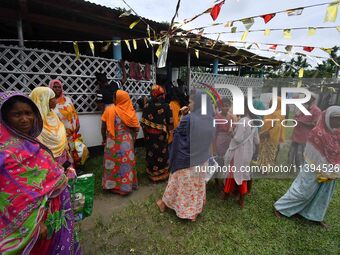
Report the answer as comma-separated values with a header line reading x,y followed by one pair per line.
x,y
243,146
35,206
68,116
157,124
53,135
312,190
271,135
185,192
119,130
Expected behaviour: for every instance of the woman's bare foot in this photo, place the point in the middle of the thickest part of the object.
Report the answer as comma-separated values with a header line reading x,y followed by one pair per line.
x,y
224,196
241,202
324,225
277,214
161,205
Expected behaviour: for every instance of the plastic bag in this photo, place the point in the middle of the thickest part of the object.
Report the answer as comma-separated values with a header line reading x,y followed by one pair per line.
x,y
82,196
212,167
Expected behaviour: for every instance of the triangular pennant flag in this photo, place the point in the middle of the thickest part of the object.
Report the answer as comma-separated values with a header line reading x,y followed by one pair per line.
x,y
289,48
233,29
244,36
127,44
266,32
311,31
187,42
215,11
287,34
332,12
161,62
248,22
146,43
76,49
218,37
273,47
327,50
229,24
301,71
295,12
134,44
268,17
125,14
197,53
308,49
133,24
159,51
338,28
91,47
148,30
106,47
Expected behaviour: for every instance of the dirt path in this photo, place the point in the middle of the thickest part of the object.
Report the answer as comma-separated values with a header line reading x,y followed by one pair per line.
x,y
105,204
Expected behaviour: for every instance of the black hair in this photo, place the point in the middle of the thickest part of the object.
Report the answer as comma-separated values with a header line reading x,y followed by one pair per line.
x,y
7,106
226,101
101,77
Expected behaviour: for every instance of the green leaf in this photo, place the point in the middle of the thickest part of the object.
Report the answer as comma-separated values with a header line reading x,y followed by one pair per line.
x,y
34,176
4,201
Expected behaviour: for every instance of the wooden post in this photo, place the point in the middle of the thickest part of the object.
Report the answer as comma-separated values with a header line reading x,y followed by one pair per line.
x,y
20,33
188,69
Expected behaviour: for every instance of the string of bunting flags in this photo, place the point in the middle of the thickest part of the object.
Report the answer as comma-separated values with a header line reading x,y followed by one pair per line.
x,y
248,22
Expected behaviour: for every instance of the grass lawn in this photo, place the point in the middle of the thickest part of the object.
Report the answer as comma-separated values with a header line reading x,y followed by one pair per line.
x,y
222,228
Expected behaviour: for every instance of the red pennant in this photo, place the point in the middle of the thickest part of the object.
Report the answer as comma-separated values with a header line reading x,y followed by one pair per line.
x,y
215,11
273,47
308,49
268,17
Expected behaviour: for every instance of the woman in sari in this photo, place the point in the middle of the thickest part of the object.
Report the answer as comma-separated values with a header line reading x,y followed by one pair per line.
x,y
223,132
35,205
119,130
68,116
311,191
185,192
53,135
157,124
271,135
242,148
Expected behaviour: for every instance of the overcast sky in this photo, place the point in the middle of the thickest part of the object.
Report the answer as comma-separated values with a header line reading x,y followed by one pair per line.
x,y
163,10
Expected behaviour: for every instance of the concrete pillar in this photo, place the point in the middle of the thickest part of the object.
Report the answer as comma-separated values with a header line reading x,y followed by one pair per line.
x,y
215,66
117,49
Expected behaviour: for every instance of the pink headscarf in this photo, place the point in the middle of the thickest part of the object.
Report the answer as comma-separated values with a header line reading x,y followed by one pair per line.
x,y
59,82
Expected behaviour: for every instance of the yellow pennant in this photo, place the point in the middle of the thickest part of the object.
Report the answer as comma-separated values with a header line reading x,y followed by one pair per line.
x,y
266,32
311,31
134,44
327,50
197,53
287,34
76,49
229,24
146,43
106,47
338,28
133,24
301,71
159,51
91,47
127,44
332,12
244,36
